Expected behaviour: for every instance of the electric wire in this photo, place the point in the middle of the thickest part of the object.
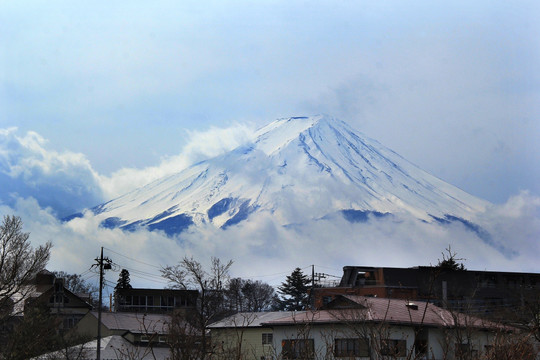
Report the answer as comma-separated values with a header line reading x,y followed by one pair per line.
x,y
133,259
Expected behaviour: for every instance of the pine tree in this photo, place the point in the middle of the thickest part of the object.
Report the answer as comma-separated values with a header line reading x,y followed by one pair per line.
x,y
123,280
294,291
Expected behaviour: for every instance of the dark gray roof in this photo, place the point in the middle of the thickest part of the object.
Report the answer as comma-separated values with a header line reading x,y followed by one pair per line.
x,y
249,319
135,322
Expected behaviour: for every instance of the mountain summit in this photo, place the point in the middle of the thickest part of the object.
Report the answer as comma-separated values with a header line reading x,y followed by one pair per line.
x,y
295,169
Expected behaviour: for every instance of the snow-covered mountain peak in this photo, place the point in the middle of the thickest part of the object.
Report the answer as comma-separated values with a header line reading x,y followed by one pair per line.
x,y
279,133
296,169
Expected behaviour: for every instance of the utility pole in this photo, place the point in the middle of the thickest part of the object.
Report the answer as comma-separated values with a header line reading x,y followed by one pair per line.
x,y
310,297
104,264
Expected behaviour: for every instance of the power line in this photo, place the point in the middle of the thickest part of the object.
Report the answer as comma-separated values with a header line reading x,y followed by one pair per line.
x,y
140,272
130,258
143,275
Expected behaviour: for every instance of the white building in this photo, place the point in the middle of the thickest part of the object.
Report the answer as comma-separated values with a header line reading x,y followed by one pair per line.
x,y
368,328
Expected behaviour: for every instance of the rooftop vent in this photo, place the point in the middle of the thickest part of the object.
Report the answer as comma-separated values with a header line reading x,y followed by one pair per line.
x,y
412,306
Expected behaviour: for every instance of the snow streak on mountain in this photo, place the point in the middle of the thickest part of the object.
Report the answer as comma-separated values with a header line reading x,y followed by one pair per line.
x,y
295,169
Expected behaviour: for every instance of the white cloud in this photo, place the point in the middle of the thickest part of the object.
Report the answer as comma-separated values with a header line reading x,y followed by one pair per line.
x,y
66,181
263,249
201,145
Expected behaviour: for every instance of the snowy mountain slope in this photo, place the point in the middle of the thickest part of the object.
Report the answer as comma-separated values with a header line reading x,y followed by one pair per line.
x,y
295,169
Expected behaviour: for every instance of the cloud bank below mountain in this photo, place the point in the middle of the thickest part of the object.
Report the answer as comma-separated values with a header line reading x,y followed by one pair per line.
x,y
261,247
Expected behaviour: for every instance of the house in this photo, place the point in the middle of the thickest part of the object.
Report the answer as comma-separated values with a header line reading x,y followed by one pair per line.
x,y
137,328
63,303
464,290
45,292
141,333
244,335
370,327
364,328
112,347
154,300
48,289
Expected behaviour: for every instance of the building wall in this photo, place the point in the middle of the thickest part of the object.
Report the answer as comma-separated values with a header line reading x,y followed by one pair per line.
x,y
88,327
324,337
441,343
466,290
154,300
226,341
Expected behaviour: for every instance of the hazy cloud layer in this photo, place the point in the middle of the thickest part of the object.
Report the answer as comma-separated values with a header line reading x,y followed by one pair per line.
x,y
264,250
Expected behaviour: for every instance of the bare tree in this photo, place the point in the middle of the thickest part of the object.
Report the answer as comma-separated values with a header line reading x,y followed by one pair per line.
x,y
511,346
450,261
19,264
250,296
184,339
210,284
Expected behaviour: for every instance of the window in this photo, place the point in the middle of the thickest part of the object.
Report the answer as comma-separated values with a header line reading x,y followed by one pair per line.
x,y
145,338
392,347
298,349
351,348
58,299
326,300
126,300
267,338
465,351
69,323
167,302
181,301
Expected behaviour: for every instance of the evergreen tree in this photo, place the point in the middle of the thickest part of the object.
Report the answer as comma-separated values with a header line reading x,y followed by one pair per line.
x,y
123,280
294,291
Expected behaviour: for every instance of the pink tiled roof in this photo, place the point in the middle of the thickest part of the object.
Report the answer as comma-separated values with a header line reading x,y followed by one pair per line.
x,y
393,311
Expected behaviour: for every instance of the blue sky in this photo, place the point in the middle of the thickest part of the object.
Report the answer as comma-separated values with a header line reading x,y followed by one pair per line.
x,y
99,97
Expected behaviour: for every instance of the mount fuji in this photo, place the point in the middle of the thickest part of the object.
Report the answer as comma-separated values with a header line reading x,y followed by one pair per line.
x,y
294,169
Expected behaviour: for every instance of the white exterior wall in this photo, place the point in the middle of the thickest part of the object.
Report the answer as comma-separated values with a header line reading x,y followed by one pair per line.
x,y
227,341
442,343
324,335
